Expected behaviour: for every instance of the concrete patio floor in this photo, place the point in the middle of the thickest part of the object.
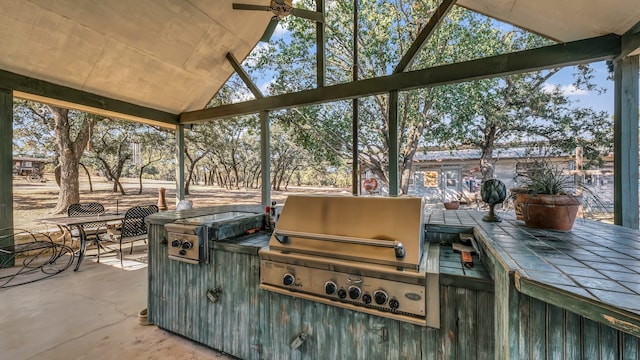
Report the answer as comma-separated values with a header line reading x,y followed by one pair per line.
x,y
89,314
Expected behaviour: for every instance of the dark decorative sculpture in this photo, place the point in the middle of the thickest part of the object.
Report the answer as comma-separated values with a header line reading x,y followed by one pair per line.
x,y
493,192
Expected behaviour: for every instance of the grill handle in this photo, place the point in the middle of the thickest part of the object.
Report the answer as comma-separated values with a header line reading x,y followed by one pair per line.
x,y
283,235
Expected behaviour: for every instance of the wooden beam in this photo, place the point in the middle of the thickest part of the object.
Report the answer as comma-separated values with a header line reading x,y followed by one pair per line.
x,y
625,142
394,157
265,158
355,133
630,41
180,179
244,76
426,32
39,90
6,171
577,52
320,48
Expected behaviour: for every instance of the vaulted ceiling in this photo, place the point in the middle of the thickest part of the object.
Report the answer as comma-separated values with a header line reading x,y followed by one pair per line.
x,y
169,55
164,54
563,20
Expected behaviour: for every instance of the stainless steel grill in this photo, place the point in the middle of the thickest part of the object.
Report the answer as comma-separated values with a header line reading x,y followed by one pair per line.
x,y
363,253
189,238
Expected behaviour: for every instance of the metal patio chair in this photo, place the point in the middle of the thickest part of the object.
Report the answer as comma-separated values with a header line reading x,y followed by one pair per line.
x,y
91,230
87,209
132,228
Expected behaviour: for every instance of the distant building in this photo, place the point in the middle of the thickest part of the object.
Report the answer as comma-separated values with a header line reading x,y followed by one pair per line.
x,y
30,167
442,175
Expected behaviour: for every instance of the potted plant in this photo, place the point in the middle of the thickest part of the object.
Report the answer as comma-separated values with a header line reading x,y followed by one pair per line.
x,y
547,198
451,200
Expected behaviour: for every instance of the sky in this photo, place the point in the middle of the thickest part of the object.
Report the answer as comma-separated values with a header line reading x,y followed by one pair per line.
x,y
600,102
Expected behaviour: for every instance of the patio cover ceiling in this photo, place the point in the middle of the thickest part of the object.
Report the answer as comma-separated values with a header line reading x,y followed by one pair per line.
x,y
169,55
562,20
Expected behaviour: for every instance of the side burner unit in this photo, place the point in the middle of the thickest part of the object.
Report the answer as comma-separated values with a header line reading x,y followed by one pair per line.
x,y
188,239
362,253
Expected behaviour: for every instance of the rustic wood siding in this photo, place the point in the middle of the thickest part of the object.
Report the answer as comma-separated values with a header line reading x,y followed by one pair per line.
x,y
337,333
251,323
178,298
549,332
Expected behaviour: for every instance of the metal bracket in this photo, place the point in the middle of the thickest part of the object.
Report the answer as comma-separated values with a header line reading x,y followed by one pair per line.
x,y
214,294
299,340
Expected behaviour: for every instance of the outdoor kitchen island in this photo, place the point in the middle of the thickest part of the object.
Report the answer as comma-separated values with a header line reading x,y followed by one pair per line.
x,y
549,297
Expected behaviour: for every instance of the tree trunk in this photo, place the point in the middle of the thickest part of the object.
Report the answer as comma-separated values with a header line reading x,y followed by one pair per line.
x,y
86,171
486,166
70,151
140,179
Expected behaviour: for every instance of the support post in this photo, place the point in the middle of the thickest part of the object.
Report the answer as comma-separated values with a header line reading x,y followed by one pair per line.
x,y
625,152
180,163
6,170
265,155
320,51
355,169
393,143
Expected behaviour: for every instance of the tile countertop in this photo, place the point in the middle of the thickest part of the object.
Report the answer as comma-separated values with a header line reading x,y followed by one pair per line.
x,y
594,268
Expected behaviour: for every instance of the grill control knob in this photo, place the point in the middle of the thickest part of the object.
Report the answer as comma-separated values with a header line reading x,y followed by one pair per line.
x,y
330,287
176,243
366,298
394,304
354,292
380,297
288,279
186,245
342,294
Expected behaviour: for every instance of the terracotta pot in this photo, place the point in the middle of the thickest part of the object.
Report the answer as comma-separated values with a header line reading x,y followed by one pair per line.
x,y
555,212
518,205
452,205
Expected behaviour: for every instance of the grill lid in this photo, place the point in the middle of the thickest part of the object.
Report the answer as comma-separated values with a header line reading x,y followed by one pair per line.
x,y
378,230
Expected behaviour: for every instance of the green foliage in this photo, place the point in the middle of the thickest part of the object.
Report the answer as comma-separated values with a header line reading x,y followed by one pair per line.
x,y
542,177
478,113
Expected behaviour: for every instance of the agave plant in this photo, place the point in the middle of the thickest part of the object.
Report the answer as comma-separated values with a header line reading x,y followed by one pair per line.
x,y
545,178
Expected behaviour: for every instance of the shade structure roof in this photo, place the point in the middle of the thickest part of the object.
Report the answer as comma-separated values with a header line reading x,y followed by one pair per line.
x,y
563,21
164,54
169,55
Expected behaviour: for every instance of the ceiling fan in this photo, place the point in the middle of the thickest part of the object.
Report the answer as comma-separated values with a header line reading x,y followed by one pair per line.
x,y
280,9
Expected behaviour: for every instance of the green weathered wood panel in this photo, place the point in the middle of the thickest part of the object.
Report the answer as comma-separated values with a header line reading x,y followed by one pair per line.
x,y
525,329
556,332
6,170
608,343
550,332
539,329
430,344
485,337
590,345
332,346
236,276
507,313
466,324
448,323
572,335
409,340
630,347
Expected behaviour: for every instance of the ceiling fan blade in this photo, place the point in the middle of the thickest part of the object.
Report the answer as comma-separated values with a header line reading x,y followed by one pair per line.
x,y
250,7
270,29
308,14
